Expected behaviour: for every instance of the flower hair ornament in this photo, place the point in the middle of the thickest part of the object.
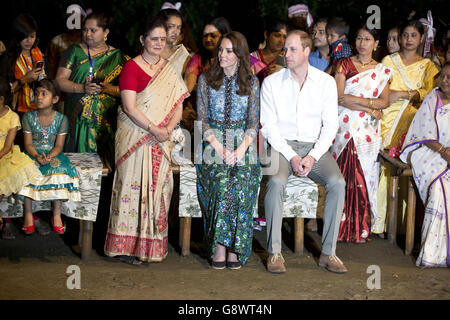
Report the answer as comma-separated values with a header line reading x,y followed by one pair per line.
x,y
430,32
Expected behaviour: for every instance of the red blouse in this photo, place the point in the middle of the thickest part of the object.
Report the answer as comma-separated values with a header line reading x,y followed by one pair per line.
x,y
347,68
133,77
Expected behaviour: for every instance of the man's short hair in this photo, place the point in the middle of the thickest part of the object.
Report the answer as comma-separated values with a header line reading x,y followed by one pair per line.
x,y
305,38
321,20
338,25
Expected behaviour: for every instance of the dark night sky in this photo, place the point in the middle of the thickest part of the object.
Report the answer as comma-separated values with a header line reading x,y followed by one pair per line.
x,y
242,14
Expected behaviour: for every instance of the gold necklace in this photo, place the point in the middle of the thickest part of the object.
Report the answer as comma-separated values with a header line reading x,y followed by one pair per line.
x,y
363,65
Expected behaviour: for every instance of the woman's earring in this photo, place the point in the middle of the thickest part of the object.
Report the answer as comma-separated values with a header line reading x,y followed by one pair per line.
x,y
239,64
105,38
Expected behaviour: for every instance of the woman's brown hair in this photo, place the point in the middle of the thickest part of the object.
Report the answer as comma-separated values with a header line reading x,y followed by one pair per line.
x,y
214,76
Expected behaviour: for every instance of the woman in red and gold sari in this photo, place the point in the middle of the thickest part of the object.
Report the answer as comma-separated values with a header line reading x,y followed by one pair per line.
x,y
152,95
363,92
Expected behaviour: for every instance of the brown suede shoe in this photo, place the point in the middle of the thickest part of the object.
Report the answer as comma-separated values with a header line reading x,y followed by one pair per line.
x,y
275,263
332,263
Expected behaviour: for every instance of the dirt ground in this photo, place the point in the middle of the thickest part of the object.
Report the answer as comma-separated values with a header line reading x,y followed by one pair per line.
x,y
34,267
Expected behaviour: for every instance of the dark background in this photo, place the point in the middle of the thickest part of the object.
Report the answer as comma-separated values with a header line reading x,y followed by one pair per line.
x,y
246,16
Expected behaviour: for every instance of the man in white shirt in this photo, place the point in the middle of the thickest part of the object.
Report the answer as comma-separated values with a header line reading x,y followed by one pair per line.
x,y
299,118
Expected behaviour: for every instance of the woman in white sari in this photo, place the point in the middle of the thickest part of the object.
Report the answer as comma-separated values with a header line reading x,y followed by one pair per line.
x,y
427,149
363,92
152,95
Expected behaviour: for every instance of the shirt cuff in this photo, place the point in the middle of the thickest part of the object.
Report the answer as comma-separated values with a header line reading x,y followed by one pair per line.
x,y
316,154
289,154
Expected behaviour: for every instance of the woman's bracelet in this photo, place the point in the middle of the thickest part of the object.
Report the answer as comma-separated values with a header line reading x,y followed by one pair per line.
x,y
440,149
409,94
149,126
370,105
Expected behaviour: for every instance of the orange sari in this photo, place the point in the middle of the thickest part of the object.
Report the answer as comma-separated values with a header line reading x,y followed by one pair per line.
x,y
25,96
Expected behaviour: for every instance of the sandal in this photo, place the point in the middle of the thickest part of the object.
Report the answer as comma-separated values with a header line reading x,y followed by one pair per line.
x,y
58,229
129,260
234,265
218,265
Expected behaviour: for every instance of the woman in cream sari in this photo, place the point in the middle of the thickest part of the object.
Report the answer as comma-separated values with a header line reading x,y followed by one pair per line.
x,y
363,93
427,149
152,95
412,79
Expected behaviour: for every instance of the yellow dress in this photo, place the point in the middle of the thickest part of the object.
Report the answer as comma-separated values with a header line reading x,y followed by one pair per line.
x,y
398,116
16,168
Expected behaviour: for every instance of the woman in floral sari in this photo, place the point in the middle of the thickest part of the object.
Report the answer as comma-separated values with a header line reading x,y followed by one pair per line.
x,y
89,73
152,94
412,79
363,93
427,149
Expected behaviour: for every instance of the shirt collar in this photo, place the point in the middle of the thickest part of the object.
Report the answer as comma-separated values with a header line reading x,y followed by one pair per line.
x,y
312,74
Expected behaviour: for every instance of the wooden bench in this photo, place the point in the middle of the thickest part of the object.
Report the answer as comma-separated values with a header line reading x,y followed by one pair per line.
x,y
399,169
189,207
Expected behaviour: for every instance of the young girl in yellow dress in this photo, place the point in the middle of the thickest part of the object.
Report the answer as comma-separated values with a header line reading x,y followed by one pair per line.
x,y
45,131
16,169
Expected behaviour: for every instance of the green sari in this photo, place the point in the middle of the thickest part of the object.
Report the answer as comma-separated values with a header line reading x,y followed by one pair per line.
x,y
92,117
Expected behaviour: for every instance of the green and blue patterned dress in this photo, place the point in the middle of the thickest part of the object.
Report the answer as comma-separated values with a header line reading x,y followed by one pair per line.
x,y
228,194
59,179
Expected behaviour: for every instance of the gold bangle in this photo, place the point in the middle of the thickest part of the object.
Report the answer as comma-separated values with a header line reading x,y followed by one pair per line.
x,y
440,149
370,103
409,94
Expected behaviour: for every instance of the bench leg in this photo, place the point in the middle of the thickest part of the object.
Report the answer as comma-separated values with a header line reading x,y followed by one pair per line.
x,y
299,234
392,209
185,235
86,228
410,218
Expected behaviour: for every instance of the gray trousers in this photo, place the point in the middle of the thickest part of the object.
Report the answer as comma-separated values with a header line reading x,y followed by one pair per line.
x,y
327,173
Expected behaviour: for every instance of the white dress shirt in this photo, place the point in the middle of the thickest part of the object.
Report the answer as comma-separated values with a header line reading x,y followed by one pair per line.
x,y
306,115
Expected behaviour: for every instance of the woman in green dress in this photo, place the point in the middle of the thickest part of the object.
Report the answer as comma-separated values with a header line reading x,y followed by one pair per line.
x,y
229,172
89,74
